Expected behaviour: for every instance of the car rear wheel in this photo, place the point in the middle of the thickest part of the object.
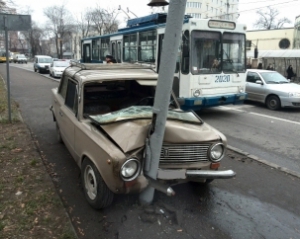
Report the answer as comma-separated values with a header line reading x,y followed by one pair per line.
x,y
96,191
273,102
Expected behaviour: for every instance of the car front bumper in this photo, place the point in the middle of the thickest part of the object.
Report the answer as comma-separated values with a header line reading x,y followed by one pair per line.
x,y
290,102
173,174
57,74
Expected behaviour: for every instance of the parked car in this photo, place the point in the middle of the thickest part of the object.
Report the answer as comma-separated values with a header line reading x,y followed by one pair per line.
x,y
272,89
57,67
103,114
20,58
42,63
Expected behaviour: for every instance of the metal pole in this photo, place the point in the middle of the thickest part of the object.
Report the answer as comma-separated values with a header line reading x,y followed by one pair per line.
x,y
163,89
7,70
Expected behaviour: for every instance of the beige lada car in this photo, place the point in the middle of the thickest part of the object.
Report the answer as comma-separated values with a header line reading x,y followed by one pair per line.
x,y
103,114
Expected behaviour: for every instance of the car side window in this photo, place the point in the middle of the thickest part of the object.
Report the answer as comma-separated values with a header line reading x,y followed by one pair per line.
x,y
252,77
71,97
62,90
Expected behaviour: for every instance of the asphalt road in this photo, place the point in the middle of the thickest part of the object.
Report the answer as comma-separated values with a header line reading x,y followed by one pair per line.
x,y
260,202
270,135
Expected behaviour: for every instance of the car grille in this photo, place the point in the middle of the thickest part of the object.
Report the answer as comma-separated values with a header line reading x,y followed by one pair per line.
x,y
184,153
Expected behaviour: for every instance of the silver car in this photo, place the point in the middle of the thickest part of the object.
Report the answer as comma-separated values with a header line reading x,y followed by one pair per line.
x,y
272,89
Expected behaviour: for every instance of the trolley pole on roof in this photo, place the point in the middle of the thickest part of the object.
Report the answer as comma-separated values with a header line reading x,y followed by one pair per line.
x,y
163,90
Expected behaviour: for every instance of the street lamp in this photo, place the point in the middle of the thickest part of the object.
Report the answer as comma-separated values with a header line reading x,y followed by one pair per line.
x,y
158,3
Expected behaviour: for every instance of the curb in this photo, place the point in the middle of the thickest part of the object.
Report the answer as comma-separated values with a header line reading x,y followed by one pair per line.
x,y
273,165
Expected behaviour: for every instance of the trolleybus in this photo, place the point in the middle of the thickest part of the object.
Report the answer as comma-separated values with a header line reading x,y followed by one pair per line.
x,y
211,65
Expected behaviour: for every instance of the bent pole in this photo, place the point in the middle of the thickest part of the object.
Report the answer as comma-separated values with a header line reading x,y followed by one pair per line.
x,y
163,90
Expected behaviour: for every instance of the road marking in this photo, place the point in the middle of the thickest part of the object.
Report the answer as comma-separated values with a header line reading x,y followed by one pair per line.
x,y
258,114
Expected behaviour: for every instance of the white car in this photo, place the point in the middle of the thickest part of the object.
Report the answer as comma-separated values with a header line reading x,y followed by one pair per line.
x,y
57,68
272,89
20,58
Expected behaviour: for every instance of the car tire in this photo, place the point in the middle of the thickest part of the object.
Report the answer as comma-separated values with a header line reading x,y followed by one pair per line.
x,y
34,69
273,102
96,191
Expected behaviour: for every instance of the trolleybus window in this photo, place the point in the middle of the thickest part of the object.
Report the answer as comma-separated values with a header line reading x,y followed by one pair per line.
x,y
147,46
130,48
104,50
234,52
206,47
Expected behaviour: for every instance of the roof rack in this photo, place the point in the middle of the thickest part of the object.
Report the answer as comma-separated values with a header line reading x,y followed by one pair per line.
x,y
115,66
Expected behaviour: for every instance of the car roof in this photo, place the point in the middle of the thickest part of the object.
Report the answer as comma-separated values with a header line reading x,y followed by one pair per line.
x,y
259,70
110,72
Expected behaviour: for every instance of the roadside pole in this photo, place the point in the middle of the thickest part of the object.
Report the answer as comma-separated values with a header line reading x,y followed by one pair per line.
x,y
163,90
12,22
7,69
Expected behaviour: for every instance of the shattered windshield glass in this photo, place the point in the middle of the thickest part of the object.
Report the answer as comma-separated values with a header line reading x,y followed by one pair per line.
x,y
143,112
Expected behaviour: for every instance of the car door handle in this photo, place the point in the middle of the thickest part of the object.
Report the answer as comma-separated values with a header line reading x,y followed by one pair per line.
x,y
60,113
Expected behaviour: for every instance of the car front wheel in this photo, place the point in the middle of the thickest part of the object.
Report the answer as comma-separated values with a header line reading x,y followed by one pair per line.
x,y
273,102
96,191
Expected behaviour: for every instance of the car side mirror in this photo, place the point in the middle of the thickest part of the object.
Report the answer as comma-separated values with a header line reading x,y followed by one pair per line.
x,y
259,82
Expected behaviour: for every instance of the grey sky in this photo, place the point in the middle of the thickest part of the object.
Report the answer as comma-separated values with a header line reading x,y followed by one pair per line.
x,y
247,8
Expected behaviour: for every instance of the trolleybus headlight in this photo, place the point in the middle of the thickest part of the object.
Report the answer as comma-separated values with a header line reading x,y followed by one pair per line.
x,y
216,152
130,169
197,93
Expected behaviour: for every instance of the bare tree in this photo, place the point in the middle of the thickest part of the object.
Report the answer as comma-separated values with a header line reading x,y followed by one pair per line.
x,y
60,25
34,38
268,19
6,6
84,23
104,20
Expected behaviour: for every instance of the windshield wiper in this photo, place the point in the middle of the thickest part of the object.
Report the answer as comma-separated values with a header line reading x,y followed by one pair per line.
x,y
281,82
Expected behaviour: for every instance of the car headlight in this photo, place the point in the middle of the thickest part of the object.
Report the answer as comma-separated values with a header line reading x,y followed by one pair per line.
x,y
130,169
294,94
216,152
241,89
196,93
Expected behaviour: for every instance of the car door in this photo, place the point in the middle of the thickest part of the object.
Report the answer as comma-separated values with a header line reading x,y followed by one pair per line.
x,y
255,91
67,112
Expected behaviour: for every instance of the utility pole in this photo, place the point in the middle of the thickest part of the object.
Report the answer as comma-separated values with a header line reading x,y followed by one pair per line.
x,y
227,4
163,90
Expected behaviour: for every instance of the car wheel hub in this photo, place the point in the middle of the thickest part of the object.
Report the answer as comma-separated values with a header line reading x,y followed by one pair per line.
x,y
273,103
90,182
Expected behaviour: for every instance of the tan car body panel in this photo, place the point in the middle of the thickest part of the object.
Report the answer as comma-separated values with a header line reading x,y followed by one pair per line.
x,y
175,132
84,139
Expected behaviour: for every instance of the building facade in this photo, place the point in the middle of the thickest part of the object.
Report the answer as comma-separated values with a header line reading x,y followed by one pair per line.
x,y
217,9
296,44
274,39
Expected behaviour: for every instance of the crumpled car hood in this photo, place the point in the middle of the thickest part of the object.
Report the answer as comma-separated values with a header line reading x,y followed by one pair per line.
x,y
130,135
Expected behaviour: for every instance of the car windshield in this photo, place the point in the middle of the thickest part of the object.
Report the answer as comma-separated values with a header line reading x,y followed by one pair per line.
x,y
45,60
143,112
23,56
273,78
61,63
